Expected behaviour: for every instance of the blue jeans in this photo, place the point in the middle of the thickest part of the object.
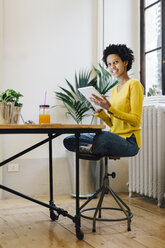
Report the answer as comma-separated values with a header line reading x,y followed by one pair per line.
x,y
105,144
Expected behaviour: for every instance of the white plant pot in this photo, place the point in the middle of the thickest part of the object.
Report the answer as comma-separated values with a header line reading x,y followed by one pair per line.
x,y
89,174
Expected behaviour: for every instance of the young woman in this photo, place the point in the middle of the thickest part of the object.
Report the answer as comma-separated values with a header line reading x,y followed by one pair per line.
x,y
122,113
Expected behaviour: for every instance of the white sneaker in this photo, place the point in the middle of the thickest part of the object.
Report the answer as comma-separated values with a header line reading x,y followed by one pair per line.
x,y
85,149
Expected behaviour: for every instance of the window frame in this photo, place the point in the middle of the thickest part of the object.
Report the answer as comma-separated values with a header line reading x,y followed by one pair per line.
x,y
142,42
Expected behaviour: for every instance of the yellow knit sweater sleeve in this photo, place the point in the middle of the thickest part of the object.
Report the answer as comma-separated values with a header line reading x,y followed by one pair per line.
x,y
103,116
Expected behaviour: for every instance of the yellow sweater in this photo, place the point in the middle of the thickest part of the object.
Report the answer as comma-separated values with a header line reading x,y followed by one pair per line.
x,y
125,114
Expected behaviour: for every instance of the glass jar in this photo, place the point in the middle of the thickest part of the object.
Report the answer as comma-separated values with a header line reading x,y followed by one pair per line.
x,y
44,114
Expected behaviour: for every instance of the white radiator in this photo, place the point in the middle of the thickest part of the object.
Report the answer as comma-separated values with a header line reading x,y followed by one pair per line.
x,y
147,168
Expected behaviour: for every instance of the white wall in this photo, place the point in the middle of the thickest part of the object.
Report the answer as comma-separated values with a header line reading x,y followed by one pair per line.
x,y
44,42
121,26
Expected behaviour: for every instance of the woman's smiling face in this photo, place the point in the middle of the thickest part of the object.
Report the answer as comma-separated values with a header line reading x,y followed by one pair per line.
x,y
116,66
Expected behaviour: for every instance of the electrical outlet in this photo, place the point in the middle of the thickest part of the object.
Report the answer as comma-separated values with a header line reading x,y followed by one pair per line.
x,y
13,167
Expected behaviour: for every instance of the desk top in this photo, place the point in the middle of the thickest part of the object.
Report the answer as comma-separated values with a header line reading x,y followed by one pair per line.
x,y
50,126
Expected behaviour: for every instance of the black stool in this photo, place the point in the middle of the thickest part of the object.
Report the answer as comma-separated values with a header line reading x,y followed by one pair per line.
x,y
105,189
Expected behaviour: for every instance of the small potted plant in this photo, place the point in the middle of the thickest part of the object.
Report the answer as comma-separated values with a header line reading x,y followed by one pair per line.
x,y
10,106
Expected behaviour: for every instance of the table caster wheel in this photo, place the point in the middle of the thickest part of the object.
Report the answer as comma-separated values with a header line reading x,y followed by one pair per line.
x,y
53,216
128,229
80,235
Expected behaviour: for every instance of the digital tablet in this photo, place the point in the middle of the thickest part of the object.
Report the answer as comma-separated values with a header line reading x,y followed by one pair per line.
x,y
87,92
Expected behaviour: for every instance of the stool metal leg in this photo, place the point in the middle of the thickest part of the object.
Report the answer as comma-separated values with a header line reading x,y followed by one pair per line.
x,y
105,189
98,209
105,182
91,198
127,212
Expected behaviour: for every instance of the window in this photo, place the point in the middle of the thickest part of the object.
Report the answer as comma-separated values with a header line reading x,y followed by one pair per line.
x,y
152,47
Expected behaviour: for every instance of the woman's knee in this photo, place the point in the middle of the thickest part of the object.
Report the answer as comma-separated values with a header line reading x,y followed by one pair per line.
x,y
69,142
102,138
135,151
101,142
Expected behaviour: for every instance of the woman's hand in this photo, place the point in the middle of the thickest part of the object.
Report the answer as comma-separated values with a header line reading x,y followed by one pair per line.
x,y
102,102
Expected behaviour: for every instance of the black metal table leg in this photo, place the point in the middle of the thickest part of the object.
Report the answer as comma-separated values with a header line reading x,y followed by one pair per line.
x,y
53,216
79,233
52,131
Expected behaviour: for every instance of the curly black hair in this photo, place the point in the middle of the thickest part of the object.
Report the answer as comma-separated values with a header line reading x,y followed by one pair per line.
x,y
125,53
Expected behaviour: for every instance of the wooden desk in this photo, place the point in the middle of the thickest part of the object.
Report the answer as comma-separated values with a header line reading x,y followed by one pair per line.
x,y
53,131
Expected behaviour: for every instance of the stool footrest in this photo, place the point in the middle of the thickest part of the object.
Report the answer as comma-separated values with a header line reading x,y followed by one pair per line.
x,y
107,219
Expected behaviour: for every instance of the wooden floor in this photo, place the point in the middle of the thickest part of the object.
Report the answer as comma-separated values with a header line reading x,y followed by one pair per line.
x,y
24,224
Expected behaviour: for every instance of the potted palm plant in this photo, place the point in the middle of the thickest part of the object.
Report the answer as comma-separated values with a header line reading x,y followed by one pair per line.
x,y
75,103
10,106
79,108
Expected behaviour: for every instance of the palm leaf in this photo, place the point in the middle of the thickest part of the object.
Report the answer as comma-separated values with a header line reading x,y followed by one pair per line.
x,y
83,79
63,97
105,72
68,93
105,81
77,110
71,87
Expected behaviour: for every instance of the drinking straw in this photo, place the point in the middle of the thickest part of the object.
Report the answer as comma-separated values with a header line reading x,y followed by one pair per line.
x,y
45,101
45,97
